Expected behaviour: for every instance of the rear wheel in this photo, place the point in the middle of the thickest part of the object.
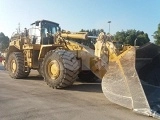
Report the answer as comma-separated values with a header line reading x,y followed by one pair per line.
x,y
60,68
15,65
40,70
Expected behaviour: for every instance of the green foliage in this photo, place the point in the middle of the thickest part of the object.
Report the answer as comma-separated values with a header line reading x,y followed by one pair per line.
x,y
4,42
156,35
129,36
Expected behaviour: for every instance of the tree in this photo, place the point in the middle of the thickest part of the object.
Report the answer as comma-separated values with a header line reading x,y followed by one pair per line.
x,y
4,41
156,35
129,36
120,36
142,39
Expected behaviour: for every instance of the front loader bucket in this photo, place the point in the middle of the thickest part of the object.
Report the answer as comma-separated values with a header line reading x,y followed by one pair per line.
x,y
133,80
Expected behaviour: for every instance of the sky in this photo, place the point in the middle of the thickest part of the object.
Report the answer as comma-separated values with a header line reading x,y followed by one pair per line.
x,y
74,15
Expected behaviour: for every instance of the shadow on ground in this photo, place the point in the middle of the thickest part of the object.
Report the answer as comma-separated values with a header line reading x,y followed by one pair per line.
x,y
86,87
38,78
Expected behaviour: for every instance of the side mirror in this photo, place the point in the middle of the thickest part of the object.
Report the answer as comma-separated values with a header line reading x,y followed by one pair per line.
x,y
59,29
37,23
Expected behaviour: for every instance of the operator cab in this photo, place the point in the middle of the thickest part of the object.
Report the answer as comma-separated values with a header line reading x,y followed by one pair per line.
x,y
42,32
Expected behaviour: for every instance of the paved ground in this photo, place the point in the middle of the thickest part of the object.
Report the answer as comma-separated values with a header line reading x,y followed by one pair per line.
x,y
32,99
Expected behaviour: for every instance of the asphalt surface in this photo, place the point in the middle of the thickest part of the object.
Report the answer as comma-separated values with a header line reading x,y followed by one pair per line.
x,y
32,99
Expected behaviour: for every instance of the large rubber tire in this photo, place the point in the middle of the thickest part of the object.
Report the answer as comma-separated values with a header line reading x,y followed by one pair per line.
x,y
40,71
17,59
67,71
87,76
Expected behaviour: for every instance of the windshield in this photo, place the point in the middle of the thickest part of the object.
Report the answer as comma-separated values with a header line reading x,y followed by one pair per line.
x,y
49,28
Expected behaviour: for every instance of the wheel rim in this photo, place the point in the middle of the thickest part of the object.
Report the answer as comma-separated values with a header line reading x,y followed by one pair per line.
x,y
53,69
13,66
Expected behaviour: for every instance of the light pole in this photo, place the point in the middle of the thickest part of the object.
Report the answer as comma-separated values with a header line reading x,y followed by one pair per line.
x,y
109,26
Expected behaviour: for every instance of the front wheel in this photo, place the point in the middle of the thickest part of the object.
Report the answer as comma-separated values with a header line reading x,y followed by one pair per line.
x,y
60,68
15,65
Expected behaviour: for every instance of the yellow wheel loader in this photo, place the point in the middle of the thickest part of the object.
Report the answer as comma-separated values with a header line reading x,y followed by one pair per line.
x,y
130,75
